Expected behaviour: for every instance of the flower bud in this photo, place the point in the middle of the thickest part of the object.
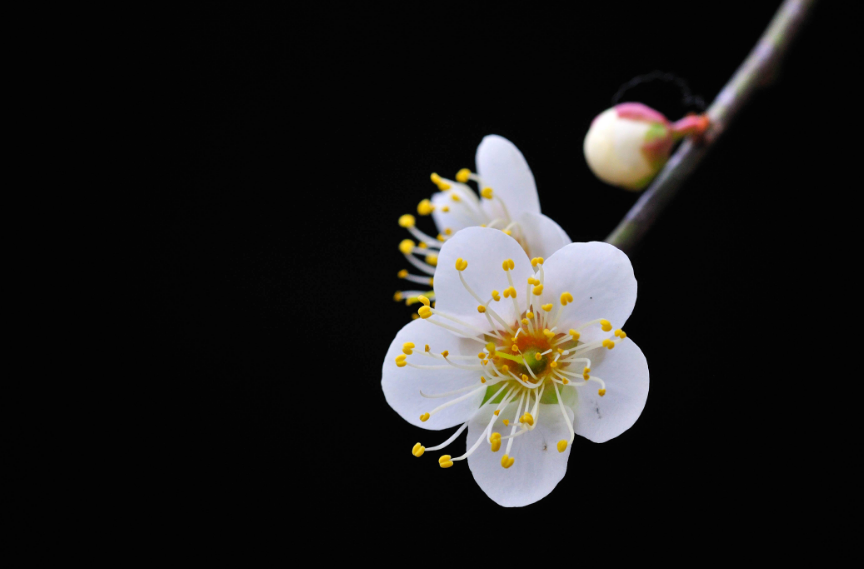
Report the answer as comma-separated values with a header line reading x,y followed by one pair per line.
x,y
628,144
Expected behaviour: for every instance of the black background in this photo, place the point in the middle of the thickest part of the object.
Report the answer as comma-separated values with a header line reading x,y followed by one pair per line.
x,y
294,140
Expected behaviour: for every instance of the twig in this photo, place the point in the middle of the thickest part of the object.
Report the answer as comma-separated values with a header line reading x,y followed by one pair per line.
x,y
761,62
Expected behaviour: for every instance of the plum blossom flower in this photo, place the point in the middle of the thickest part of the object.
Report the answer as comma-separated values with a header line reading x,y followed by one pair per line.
x,y
628,144
523,354
507,201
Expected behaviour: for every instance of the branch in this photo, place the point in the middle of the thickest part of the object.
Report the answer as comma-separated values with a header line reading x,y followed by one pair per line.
x,y
761,62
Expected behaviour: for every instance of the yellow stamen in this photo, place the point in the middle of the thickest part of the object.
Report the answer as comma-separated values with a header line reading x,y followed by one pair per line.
x,y
529,315
400,360
424,311
495,296
507,461
536,261
566,298
432,260
425,207
620,333
608,344
538,290
427,347
445,461
562,445
508,265
418,450
407,348
481,309
606,325
601,392
445,353
424,417
406,220
461,264
398,296
575,334
486,193
455,197
423,299
406,246
548,333
402,274
547,307
462,175
527,418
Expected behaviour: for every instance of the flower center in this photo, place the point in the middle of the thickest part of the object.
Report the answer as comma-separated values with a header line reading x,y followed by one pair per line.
x,y
462,202
522,362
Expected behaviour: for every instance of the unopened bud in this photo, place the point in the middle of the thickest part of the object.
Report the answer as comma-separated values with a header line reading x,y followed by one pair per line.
x,y
628,144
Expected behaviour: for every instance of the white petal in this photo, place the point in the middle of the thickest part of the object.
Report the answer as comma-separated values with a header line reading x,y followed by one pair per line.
x,y
600,278
402,385
625,371
503,168
485,250
538,465
543,235
455,219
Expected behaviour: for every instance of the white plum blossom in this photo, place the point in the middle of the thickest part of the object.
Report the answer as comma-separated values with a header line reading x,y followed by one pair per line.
x,y
506,200
523,354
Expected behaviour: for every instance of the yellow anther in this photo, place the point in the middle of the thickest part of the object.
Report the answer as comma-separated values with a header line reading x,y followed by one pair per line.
x,y
486,193
461,264
514,348
444,186
481,309
423,245
538,356
620,333
490,346
406,246
398,296
512,292
445,353
496,412
508,265
436,179
601,392
455,197
608,344
425,207
606,325
566,298
505,368
484,362
507,232
533,281
527,418
525,378
496,445
548,333
524,321
495,296
402,274
431,281
414,317
586,370
574,333
407,348
432,260
424,311
506,422
547,307
462,175
586,376
448,231
400,360
482,379
406,220
427,347
553,363
423,299
445,208
536,261
481,355
441,237
507,461
538,290
445,461
424,417
418,450
560,351
565,381
562,445
529,315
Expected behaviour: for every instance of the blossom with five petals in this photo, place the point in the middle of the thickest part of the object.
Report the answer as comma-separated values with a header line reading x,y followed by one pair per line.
x,y
522,353
507,201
